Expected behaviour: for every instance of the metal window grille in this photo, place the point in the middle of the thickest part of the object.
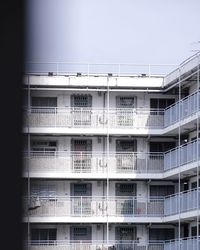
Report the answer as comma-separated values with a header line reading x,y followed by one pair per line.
x,y
125,189
81,101
125,234
125,102
81,233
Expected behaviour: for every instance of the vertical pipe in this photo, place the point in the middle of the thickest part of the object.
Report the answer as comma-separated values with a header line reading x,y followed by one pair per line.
x,y
198,62
29,113
179,162
107,154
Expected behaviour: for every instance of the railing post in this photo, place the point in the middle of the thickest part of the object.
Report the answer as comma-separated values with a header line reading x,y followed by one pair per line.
x,y
55,117
81,206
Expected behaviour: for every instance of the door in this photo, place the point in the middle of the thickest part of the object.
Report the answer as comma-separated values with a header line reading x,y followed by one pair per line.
x,y
157,193
81,110
125,237
81,199
125,157
81,155
125,198
125,110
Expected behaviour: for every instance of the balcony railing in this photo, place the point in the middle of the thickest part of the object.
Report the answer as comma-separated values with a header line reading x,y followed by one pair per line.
x,y
93,162
91,206
182,202
187,153
188,106
190,243
93,118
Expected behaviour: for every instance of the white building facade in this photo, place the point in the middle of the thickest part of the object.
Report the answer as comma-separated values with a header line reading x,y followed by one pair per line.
x,y
111,158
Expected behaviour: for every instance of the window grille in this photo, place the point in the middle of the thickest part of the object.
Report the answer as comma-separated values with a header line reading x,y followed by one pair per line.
x,y
81,101
81,233
81,145
125,189
81,189
125,145
125,234
125,102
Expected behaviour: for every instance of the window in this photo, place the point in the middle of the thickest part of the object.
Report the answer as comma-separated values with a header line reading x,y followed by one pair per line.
x,y
81,189
125,189
157,105
43,236
161,191
44,105
44,147
81,101
125,234
44,101
81,145
81,233
156,234
126,145
125,102
161,146
45,190
194,231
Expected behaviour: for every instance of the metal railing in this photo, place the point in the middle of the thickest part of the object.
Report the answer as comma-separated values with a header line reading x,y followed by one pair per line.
x,y
188,154
89,69
189,243
187,200
92,162
94,245
186,66
91,206
93,118
188,107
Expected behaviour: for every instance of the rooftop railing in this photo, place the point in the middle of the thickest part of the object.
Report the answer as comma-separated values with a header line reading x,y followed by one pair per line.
x,y
91,206
92,162
89,69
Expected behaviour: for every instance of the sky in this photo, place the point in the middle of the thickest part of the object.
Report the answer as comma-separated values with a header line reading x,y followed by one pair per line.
x,y
112,31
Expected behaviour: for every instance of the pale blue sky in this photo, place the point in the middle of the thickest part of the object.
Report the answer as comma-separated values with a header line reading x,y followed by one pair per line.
x,y
112,31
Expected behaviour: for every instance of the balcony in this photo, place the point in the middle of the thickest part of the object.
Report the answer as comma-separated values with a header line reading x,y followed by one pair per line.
x,y
190,243
182,109
93,118
91,206
188,154
42,162
182,202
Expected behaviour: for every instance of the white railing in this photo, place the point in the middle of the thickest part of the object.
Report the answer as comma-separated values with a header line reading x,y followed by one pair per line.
x,y
92,162
94,245
182,202
188,153
93,118
91,206
188,106
190,243
185,67
123,69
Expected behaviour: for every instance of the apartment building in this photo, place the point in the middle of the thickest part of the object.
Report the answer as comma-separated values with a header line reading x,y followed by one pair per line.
x,y
111,157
